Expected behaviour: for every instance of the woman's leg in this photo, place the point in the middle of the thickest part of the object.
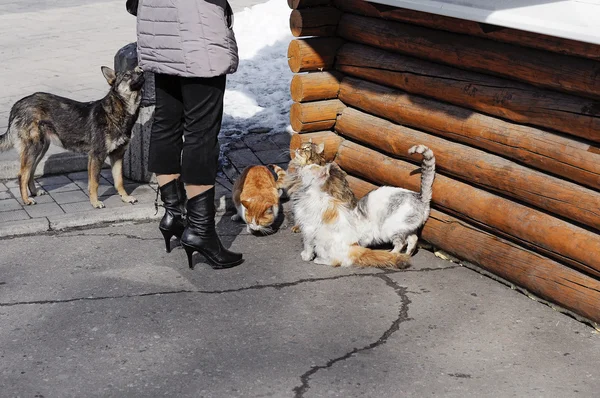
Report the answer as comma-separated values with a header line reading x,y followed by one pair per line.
x,y
166,141
203,112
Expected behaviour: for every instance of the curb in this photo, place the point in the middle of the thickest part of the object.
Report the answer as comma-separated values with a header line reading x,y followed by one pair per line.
x,y
25,227
97,216
80,219
88,218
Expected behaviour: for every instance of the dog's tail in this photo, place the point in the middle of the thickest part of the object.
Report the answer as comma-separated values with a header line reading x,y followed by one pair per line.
x,y
365,257
6,141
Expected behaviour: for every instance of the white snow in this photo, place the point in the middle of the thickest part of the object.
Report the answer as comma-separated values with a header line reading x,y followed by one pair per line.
x,y
257,95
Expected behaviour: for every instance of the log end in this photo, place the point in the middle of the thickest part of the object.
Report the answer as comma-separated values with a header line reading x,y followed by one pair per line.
x,y
315,53
296,88
295,114
295,143
294,56
315,86
296,23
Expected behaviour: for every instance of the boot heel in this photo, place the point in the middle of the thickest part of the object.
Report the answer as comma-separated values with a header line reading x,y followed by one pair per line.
x,y
172,224
167,235
190,252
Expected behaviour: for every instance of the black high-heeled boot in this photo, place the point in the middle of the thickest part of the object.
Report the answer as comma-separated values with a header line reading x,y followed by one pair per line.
x,y
200,235
172,223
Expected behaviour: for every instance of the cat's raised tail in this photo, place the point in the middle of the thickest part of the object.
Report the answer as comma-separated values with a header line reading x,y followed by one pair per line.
x,y
365,257
281,175
427,170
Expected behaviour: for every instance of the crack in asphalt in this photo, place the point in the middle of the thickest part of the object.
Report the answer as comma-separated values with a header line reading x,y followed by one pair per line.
x,y
277,286
188,291
300,390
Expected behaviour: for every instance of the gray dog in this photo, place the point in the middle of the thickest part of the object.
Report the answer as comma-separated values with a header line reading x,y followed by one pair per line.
x,y
99,128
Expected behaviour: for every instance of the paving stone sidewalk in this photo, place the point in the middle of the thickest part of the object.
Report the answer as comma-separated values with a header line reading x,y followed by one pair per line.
x,y
58,46
66,204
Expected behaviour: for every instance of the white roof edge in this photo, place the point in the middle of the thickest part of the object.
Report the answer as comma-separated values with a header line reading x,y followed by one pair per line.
x,y
569,19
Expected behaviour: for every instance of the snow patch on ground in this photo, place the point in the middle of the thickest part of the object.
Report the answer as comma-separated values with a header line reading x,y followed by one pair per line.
x,y
257,95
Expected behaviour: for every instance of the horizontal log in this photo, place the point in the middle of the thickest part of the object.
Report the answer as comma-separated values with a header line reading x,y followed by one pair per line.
x,y
508,99
534,229
295,4
315,86
330,140
359,186
571,159
319,21
539,275
300,127
506,35
317,53
314,116
540,68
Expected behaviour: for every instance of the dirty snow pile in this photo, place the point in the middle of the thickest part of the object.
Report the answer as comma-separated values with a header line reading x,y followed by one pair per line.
x,y
257,95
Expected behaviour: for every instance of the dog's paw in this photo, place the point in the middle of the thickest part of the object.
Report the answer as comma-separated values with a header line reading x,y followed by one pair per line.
x,y
98,204
29,201
307,255
296,229
128,199
236,217
40,192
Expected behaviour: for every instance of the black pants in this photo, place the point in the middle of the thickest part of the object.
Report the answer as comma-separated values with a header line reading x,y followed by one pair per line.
x,y
187,121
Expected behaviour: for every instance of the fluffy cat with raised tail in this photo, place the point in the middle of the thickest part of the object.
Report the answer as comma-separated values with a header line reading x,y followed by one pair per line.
x,y
324,207
395,215
256,197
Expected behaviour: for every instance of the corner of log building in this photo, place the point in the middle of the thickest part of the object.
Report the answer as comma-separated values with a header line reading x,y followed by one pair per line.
x,y
512,117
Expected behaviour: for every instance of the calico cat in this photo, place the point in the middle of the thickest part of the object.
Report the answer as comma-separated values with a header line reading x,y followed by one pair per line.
x,y
394,215
307,153
256,197
325,209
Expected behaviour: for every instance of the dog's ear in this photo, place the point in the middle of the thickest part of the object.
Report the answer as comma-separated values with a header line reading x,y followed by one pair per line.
x,y
109,75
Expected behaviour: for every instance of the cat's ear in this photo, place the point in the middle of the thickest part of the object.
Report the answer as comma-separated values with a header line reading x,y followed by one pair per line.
x,y
310,140
325,171
321,148
246,202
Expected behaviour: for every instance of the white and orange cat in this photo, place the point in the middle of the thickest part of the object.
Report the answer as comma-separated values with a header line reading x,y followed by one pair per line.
x,y
256,196
336,227
325,209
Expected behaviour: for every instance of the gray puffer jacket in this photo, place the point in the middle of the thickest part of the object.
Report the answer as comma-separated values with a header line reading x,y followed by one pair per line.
x,y
189,38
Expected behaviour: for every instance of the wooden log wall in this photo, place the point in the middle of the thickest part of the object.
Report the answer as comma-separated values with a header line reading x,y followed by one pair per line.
x,y
546,278
513,118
